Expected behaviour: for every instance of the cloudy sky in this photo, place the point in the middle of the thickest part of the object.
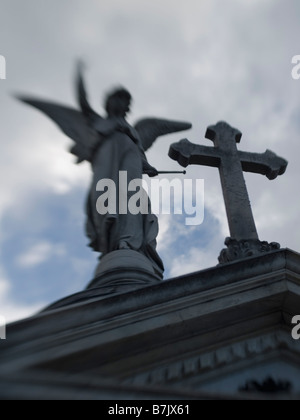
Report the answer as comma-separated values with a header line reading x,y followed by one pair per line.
x,y
195,60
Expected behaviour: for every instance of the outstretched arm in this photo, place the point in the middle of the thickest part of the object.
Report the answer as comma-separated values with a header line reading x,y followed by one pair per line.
x,y
81,94
147,168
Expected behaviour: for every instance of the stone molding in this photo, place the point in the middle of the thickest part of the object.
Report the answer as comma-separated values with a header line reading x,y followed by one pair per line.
x,y
217,358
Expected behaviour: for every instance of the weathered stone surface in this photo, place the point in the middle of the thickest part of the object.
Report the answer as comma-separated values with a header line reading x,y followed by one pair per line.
x,y
201,335
237,250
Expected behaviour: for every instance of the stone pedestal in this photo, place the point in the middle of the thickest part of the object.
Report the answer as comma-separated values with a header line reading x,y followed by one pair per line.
x,y
124,270
118,272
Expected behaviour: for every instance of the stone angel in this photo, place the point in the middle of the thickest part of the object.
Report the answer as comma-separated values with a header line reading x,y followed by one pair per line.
x,y
112,145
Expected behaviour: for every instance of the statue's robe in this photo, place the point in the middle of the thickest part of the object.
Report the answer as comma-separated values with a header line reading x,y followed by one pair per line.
x,y
120,151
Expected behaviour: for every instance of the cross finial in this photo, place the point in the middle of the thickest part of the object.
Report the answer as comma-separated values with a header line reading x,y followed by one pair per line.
x,y
244,241
214,132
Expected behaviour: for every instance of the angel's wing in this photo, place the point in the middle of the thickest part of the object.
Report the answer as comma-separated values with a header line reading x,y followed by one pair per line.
x,y
73,123
151,128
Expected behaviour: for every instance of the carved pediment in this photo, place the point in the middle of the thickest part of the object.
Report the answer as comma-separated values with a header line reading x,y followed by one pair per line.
x,y
231,367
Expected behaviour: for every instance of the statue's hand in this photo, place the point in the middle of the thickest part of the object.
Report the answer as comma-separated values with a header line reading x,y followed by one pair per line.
x,y
150,171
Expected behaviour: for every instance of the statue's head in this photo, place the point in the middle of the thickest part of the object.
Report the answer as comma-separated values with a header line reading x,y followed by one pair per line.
x,y
117,102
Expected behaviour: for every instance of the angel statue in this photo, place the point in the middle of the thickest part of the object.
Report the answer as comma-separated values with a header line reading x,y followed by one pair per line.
x,y
112,145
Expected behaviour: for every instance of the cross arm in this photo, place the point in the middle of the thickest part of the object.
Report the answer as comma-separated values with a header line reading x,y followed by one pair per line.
x,y
187,153
267,163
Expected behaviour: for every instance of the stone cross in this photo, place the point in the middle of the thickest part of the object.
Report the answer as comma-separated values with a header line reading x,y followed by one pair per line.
x,y
231,162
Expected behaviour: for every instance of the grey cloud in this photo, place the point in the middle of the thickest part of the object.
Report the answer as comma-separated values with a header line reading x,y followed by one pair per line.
x,y
199,61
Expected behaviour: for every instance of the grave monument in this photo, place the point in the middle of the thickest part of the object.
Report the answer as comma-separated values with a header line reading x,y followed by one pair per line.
x,y
220,333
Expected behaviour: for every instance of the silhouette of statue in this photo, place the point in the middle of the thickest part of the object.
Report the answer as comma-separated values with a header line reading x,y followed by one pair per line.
x,y
112,145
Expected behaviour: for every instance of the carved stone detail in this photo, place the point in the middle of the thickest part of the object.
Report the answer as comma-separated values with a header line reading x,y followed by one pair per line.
x,y
268,386
238,250
215,359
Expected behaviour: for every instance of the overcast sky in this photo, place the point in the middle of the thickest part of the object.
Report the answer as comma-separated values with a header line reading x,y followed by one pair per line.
x,y
195,60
